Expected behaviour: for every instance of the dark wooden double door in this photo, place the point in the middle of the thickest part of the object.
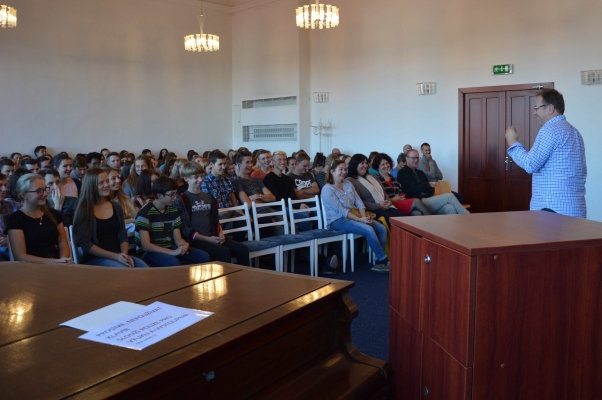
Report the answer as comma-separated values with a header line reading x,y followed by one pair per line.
x,y
488,178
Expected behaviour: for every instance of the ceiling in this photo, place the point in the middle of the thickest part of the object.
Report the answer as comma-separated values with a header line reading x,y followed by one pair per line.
x,y
229,3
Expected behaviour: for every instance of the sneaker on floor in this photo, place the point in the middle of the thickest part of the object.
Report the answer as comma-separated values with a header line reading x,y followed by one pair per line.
x,y
330,266
381,269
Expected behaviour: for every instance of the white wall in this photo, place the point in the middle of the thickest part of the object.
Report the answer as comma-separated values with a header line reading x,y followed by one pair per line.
x,y
79,75
372,61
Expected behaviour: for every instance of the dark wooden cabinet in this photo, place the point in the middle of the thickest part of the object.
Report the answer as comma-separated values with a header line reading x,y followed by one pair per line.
x,y
496,306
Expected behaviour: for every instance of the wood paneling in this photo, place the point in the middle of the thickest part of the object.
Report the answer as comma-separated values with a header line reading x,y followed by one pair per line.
x,y
443,377
447,303
406,275
538,312
405,347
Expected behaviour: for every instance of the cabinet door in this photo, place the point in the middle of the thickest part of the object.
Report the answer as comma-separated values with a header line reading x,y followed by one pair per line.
x,y
404,282
405,356
447,299
443,377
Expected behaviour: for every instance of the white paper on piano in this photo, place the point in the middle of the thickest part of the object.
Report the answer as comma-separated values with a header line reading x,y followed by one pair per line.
x,y
146,326
94,319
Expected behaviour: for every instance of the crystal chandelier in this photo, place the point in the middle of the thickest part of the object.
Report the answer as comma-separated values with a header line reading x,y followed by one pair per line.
x,y
317,16
8,17
201,42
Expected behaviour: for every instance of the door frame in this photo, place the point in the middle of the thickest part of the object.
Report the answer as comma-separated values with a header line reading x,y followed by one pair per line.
x,y
482,89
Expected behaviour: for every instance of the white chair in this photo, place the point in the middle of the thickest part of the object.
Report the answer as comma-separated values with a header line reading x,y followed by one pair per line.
x,y
351,238
257,248
320,235
76,252
286,240
10,251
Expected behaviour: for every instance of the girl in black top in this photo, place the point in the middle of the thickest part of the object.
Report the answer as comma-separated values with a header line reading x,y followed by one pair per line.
x,y
98,226
36,233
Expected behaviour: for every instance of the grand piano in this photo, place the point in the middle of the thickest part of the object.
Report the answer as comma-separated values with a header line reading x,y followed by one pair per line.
x,y
272,336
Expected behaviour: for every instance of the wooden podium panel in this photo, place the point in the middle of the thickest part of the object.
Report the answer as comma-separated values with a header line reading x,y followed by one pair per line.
x,y
509,307
267,328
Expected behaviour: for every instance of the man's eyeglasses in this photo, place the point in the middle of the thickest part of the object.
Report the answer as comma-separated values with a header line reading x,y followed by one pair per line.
x,y
40,192
538,107
413,158
173,194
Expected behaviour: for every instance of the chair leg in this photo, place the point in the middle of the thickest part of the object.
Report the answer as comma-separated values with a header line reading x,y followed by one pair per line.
x,y
283,267
352,251
293,260
345,256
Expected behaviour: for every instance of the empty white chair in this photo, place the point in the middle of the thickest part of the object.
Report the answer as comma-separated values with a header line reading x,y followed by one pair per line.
x,y
287,241
320,236
257,248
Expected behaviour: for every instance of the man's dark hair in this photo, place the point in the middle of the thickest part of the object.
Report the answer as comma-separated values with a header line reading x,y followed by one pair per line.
x,y
29,161
38,148
163,184
146,151
302,156
113,153
401,158
91,156
101,150
424,144
49,171
356,160
240,156
216,155
79,162
14,154
45,157
553,97
378,158
6,161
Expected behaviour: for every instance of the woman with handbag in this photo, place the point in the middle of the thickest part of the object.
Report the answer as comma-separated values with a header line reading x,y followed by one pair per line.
x,y
346,212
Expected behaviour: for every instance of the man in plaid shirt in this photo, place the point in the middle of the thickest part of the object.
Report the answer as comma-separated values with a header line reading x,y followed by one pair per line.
x,y
556,160
217,183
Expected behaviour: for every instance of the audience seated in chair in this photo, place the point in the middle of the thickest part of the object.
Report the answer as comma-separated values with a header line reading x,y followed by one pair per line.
x,y
66,205
36,232
99,228
416,185
200,219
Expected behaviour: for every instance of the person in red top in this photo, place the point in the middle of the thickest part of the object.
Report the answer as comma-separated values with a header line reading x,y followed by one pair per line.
x,y
264,159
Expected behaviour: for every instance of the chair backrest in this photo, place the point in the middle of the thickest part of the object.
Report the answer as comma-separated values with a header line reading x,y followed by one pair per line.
x,y
443,187
10,251
323,212
72,250
315,210
244,218
273,213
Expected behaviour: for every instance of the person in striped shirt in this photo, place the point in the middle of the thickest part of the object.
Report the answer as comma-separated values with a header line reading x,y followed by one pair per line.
x,y
158,238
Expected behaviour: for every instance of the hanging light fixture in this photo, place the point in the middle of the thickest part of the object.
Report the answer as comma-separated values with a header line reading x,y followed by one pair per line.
x,y
317,16
8,17
201,42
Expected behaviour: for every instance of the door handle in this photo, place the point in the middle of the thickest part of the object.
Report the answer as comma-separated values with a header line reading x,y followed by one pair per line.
x,y
507,162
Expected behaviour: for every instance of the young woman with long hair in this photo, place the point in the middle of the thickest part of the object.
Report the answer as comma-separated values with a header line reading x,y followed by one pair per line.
x,y
129,186
36,232
346,212
99,228
117,195
144,188
64,165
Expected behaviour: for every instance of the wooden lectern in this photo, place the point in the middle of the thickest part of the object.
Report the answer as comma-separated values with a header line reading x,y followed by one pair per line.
x,y
496,306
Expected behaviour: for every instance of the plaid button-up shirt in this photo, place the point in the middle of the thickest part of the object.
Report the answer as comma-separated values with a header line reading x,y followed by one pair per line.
x,y
221,188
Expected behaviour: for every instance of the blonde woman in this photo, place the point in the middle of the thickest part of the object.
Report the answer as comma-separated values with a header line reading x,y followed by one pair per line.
x,y
36,232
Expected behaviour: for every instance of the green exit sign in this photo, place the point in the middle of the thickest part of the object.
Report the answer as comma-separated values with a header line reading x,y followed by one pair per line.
x,y
502,69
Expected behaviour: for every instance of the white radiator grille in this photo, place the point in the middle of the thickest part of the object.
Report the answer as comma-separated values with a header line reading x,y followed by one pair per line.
x,y
273,102
269,133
